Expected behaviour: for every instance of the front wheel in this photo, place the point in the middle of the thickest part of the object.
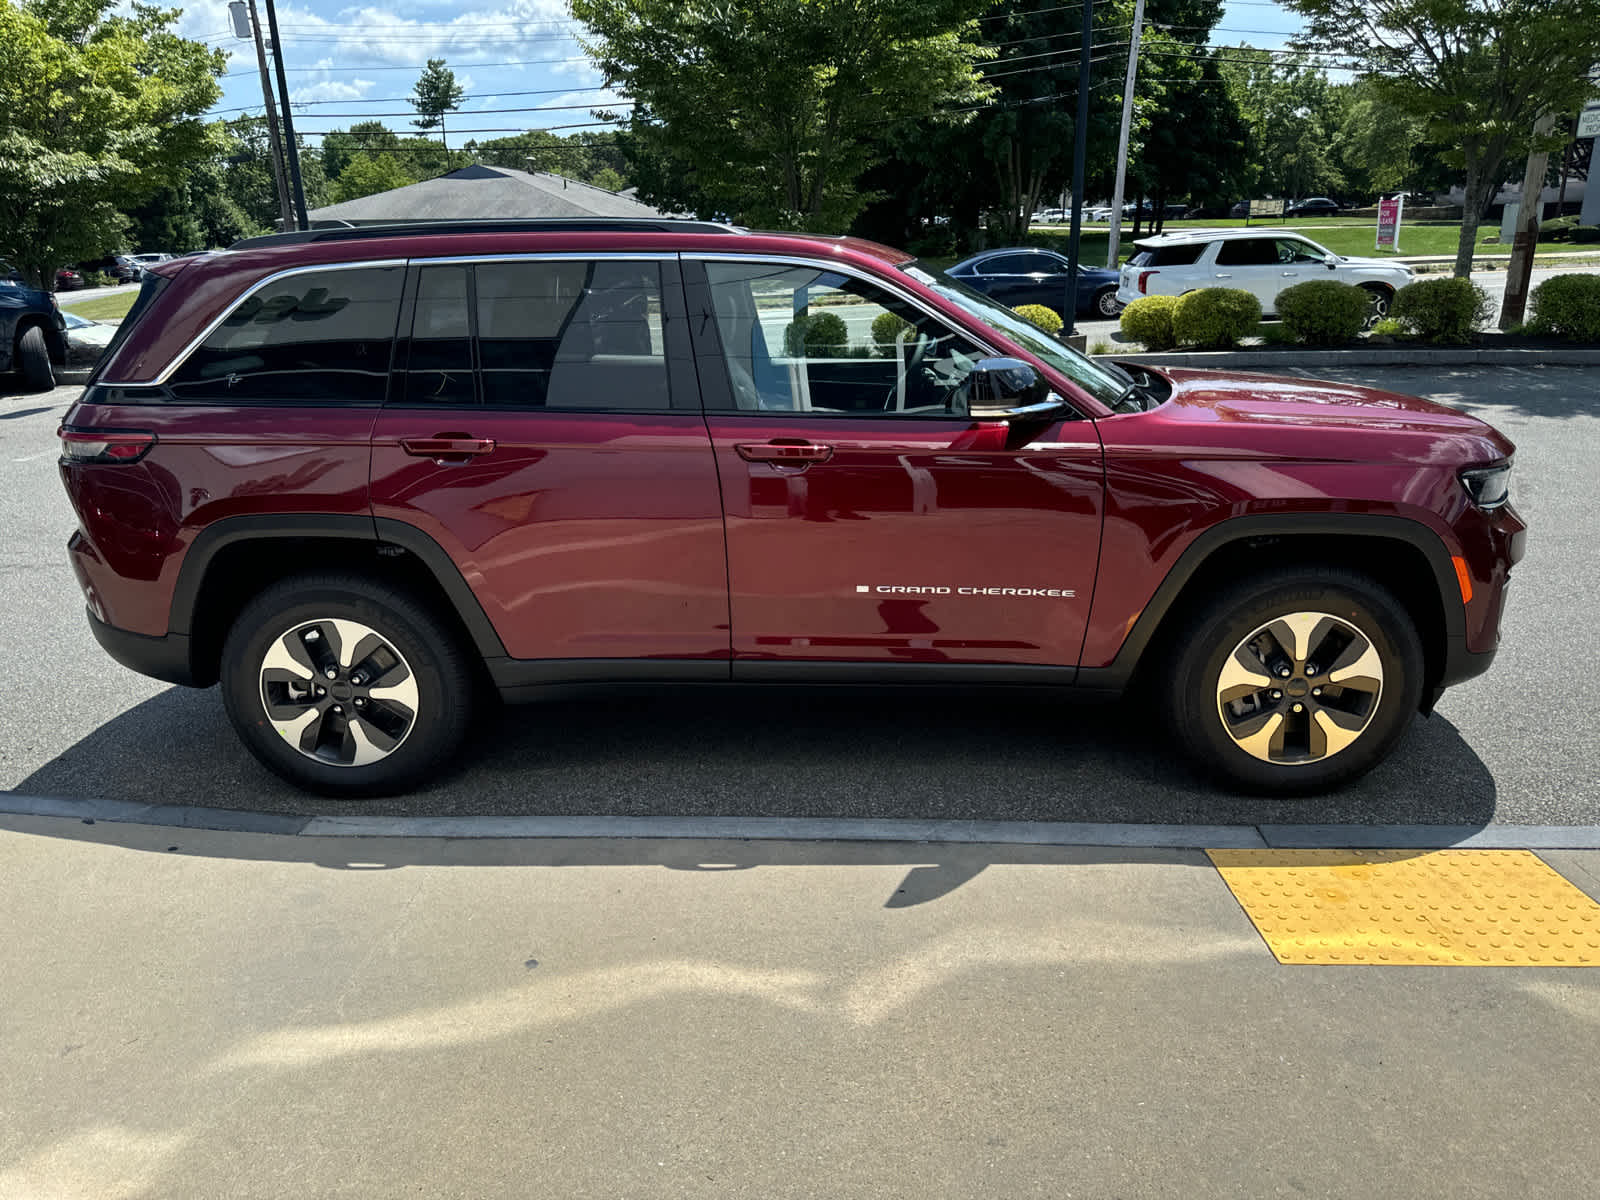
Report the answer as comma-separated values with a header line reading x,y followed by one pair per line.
x,y
1296,681
1106,303
346,686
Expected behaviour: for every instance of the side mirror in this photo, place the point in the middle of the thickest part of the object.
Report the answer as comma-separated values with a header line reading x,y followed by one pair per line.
x,y
1331,261
1008,389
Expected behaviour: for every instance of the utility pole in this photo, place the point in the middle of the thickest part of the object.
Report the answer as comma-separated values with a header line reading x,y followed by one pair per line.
x,y
288,122
1080,154
1122,138
247,25
1520,269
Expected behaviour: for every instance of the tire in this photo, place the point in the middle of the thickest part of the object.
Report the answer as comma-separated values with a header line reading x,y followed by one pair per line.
x,y
1378,302
1105,303
379,724
33,358
1251,736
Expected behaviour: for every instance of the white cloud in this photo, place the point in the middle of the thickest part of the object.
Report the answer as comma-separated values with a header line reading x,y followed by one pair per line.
x,y
330,89
524,31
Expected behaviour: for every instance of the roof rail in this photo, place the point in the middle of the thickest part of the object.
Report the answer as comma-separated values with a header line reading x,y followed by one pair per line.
x,y
427,228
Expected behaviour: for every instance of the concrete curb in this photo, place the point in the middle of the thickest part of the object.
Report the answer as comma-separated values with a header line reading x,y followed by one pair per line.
x,y
805,829
1384,356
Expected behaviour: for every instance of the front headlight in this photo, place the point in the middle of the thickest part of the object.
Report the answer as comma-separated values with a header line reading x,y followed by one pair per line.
x,y
1489,487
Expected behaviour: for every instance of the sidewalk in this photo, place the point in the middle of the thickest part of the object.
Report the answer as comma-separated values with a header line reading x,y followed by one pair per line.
x,y
257,1015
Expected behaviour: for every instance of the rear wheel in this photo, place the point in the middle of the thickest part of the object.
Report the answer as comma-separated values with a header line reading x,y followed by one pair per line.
x,y
345,685
33,357
1296,681
1106,303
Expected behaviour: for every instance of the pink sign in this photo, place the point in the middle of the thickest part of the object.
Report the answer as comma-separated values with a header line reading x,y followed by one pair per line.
x,y
1389,222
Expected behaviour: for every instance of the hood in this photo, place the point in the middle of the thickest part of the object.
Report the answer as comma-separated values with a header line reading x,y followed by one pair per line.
x,y
1356,260
1273,400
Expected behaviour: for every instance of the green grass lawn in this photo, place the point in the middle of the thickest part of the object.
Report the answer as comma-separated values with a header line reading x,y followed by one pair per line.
x,y
101,308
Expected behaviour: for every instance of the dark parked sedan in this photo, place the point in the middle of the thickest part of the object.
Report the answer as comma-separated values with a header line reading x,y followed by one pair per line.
x,y
1024,275
31,339
1316,206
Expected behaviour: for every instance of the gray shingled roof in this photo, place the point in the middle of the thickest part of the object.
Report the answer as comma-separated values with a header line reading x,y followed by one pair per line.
x,y
485,193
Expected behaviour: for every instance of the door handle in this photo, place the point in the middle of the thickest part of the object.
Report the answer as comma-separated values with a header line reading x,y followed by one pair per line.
x,y
784,452
447,447
1222,275
1290,274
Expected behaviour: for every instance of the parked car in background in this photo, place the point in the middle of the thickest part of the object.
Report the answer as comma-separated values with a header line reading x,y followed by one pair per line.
x,y
1261,261
86,340
120,267
1315,206
150,259
68,280
1018,275
31,339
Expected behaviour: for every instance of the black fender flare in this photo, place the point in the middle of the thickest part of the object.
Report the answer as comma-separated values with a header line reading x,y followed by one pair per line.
x,y
1289,525
372,531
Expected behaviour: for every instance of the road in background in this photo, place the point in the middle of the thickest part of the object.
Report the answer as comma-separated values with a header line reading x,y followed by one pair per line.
x,y
1514,746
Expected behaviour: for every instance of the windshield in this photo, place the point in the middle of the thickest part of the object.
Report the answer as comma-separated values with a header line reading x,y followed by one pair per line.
x,y
1103,384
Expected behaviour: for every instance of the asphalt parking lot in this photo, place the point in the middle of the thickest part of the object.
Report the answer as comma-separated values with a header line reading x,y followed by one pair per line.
x,y
1517,746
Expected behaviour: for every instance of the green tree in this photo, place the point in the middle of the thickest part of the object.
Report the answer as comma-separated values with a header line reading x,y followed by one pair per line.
x,y
1292,113
436,94
769,111
1478,73
97,112
367,175
418,157
246,172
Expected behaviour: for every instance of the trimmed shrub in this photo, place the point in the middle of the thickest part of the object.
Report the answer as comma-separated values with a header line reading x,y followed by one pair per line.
x,y
1442,310
1215,318
1046,319
1149,321
817,335
1557,229
1389,327
1586,233
1323,312
886,333
1567,306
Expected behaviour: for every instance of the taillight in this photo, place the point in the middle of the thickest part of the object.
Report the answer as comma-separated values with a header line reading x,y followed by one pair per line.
x,y
104,445
1143,276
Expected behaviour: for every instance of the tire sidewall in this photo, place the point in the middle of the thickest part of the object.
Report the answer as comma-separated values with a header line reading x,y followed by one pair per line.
x,y
1366,606
443,691
33,356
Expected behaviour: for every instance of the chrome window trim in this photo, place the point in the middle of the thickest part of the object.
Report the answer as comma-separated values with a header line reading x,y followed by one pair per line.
x,y
199,340
552,256
854,272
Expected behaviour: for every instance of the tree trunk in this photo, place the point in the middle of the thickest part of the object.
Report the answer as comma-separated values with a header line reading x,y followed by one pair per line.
x,y
1479,182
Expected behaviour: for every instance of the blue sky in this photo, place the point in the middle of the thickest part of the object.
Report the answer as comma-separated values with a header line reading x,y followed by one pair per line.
x,y
346,63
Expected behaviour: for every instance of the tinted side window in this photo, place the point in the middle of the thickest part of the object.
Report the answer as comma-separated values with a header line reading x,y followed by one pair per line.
x,y
800,339
572,335
1293,251
440,370
322,337
1013,264
1247,252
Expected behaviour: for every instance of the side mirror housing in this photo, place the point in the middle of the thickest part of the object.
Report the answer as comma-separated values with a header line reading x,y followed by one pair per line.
x,y
1330,261
1008,389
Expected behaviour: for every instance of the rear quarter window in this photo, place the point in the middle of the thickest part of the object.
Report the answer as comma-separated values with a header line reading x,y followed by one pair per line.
x,y
317,337
1168,256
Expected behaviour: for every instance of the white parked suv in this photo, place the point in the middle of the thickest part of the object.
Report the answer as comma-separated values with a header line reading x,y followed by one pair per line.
x,y
1261,261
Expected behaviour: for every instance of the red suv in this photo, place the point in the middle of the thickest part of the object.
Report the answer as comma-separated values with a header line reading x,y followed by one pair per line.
x,y
357,475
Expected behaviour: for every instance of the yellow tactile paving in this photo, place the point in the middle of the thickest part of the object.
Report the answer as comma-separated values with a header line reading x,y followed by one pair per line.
x,y
1477,908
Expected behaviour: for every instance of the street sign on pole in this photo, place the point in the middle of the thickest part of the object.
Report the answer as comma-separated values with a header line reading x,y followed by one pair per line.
x,y
1389,209
1588,123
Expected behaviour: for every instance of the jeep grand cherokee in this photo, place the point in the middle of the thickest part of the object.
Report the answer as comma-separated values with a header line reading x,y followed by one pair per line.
x,y
356,475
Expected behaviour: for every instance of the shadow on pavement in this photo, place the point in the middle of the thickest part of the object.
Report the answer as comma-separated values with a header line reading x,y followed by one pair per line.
x,y
781,753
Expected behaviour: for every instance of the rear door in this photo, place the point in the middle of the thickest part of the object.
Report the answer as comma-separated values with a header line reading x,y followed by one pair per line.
x,y
1252,264
869,519
544,428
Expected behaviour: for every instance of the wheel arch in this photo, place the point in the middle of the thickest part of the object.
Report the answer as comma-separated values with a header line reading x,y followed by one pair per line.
x,y
1402,555
233,559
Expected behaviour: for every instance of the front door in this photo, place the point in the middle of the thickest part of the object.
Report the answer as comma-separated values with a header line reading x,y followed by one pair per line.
x,y
868,518
544,428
